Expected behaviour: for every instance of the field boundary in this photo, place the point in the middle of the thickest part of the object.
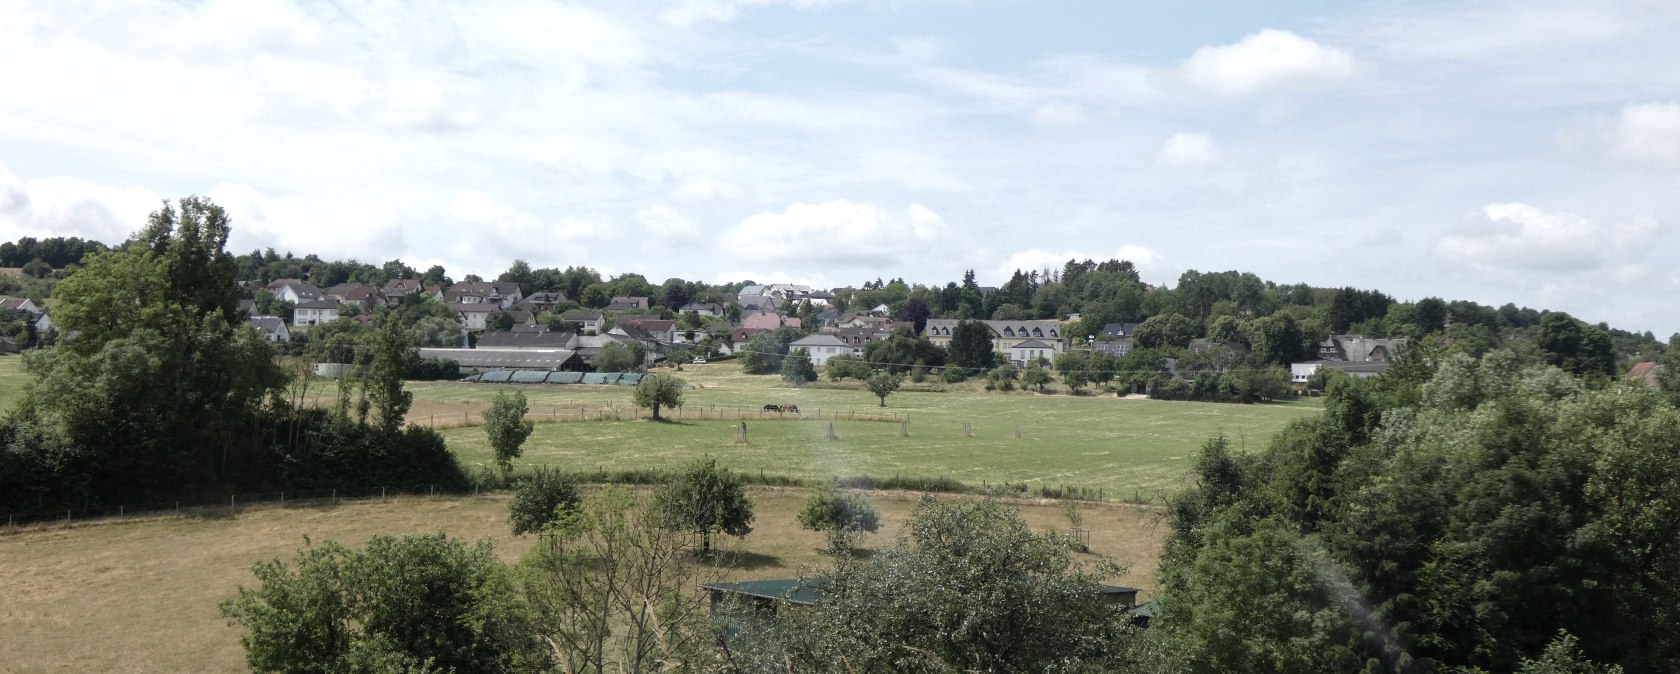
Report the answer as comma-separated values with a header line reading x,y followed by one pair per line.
x,y
588,413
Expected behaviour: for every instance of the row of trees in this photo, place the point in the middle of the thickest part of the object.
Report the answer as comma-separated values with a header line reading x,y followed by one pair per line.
x,y
611,586
1456,514
163,392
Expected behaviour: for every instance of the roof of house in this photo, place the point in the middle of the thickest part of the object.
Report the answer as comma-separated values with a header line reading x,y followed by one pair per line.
x,y
649,324
277,283
1033,344
1120,329
474,307
486,288
503,358
819,340
761,319
345,287
1359,349
298,287
1639,370
701,306
504,339
268,323
361,293
582,316
808,591
1039,329
15,303
319,304
409,284
544,298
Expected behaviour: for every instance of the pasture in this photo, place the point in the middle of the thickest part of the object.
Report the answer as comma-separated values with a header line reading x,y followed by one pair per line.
x,y
1128,448
142,595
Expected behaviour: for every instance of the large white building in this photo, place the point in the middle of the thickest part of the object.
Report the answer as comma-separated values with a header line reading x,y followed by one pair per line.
x,y
823,347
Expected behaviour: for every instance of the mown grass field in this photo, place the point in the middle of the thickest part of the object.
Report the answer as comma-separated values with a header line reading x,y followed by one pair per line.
x,y
142,595
12,379
1127,448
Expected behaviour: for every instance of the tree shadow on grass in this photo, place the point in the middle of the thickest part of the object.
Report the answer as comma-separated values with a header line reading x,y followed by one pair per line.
x,y
742,560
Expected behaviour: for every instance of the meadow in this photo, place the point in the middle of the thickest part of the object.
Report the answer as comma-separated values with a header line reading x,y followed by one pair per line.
x,y
141,595
1128,448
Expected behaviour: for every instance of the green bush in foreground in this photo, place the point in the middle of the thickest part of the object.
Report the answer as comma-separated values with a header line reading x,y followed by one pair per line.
x,y
540,499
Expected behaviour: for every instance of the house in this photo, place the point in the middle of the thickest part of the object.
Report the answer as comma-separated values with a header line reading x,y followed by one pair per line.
x,y
1022,353
588,346
315,312
366,298
1299,373
21,306
537,303
272,327
475,315
500,293
296,292
590,321
761,319
738,339
702,309
1357,349
44,324
822,348
1005,334
525,340
398,288
658,329
881,310
1646,373
820,298
560,360
249,307
759,303
1200,347
628,304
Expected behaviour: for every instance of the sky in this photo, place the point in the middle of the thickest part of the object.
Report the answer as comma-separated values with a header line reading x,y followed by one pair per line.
x,y
1524,151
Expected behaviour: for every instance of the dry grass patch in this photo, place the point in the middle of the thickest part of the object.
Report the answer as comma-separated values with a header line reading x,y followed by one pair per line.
x,y
142,595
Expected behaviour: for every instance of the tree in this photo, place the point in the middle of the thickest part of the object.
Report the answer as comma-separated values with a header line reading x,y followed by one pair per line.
x,y
616,357
519,273
846,365
1036,377
704,499
36,268
969,588
797,369
394,356
882,384
613,590
915,311
971,346
507,427
1165,330
658,389
499,320
762,354
545,497
842,515
424,602
1076,368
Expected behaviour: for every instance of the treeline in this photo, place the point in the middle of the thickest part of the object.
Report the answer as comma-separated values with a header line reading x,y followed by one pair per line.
x,y
1457,514
55,252
164,392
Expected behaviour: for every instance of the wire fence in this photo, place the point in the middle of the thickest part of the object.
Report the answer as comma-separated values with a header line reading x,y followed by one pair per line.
x,y
611,412
229,504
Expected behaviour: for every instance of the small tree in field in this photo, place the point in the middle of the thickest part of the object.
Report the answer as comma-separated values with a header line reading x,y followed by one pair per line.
x,y
882,384
656,390
505,423
843,516
796,368
1036,377
704,499
540,499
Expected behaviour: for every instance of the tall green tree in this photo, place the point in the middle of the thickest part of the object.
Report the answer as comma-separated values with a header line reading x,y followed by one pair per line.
x,y
842,516
1165,330
706,499
971,346
797,368
658,390
507,427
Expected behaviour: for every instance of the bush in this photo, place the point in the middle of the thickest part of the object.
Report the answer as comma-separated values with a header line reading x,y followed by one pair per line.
x,y
704,499
843,516
421,602
541,498
435,369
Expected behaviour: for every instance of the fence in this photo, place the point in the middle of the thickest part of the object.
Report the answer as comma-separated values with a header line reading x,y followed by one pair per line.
x,y
610,412
228,504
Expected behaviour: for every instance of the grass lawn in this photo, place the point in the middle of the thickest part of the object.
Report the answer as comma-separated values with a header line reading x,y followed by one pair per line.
x,y
1128,448
12,379
142,595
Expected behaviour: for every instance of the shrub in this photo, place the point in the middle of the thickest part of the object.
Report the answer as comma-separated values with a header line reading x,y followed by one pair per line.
x,y
541,499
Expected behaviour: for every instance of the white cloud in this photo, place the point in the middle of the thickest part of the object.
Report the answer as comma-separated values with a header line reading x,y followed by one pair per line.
x,y
666,227
367,229
64,206
1188,150
1645,135
1269,60
1059,114
841,234
688,13
1520,237
706,188
1145,260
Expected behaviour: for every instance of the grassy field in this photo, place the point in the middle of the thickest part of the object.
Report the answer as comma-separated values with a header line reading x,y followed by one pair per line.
x,y
12,379
1128,448
141,596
